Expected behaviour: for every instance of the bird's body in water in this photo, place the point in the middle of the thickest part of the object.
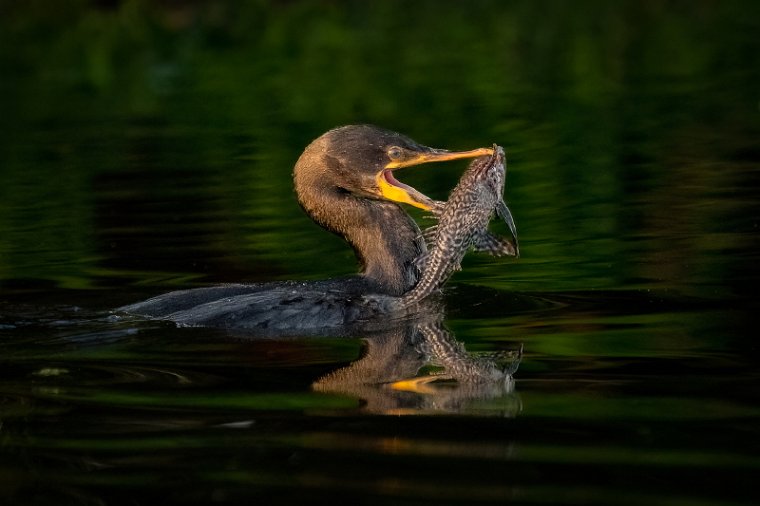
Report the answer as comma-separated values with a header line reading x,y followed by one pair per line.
x,y
463,223
344,181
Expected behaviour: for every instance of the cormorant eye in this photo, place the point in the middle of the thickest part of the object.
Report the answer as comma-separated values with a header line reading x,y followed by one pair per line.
x,y
395,153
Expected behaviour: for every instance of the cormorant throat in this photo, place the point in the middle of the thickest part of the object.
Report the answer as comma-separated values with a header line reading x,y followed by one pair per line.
x,y
385,239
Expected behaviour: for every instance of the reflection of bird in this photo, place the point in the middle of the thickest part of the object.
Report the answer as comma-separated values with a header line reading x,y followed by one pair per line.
x,y
391,376
344,181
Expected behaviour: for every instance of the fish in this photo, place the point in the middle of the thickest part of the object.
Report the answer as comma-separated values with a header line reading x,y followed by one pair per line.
x,y
463,224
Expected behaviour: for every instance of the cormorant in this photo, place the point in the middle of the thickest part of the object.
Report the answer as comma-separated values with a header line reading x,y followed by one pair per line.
x,y
344,181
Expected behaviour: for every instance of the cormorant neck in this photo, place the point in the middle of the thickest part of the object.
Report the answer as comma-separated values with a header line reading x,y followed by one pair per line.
x,y
386,242
385,239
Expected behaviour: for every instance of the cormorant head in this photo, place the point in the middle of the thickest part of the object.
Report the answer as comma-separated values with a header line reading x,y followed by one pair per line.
x,y
361,159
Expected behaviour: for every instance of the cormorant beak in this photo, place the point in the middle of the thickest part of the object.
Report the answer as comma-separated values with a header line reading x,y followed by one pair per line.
x,y
392,189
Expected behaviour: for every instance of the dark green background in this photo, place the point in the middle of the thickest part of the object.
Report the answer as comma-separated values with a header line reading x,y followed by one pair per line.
x,y
147,146
631,130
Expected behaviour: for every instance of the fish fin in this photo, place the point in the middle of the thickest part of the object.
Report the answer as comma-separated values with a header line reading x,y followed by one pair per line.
x,y
437,208
505,214
429,233
420,261
487,242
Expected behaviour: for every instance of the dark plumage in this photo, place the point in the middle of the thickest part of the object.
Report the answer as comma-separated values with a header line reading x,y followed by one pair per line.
x,y
344,182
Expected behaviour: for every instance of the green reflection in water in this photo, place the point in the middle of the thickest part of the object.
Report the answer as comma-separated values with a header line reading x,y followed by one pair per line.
x,y
227,400
631,408
616,125
150,145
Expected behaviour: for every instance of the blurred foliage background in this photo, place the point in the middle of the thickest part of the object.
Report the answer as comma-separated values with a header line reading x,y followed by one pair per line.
x,y
151,143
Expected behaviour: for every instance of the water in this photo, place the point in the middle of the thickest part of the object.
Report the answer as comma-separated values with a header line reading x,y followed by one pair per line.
x,y
145,149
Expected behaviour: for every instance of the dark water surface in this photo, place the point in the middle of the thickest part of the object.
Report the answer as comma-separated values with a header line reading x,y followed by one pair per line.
x,y
147,147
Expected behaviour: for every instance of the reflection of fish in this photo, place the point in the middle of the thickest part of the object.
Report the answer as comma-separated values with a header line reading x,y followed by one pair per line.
x,y
418,366
463,222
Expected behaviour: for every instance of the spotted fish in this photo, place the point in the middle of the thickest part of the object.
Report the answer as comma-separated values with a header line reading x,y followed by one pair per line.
x,y
463,223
